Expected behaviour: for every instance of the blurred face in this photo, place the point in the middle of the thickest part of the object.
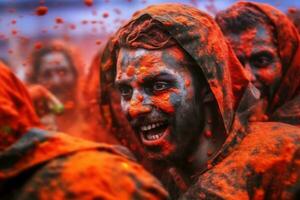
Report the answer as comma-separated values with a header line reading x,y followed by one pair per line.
x,y
158,97
256,50
56,74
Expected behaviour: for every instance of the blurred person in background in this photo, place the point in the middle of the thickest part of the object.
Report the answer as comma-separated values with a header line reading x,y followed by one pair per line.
x,y
58,68
267,44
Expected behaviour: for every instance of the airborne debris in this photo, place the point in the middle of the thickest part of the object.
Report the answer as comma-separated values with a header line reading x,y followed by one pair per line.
x,y
41,10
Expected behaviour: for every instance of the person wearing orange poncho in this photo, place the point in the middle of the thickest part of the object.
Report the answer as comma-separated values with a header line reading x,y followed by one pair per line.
x,y
181,101
58,67
268,45
37,164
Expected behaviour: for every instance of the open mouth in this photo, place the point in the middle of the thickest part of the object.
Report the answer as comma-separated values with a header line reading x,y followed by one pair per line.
x,y
153,132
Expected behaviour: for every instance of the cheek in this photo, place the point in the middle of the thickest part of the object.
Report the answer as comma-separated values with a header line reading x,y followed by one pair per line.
x,y
167,101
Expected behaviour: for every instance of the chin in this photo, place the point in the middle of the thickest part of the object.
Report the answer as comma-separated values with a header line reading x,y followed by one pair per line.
x,y
161,153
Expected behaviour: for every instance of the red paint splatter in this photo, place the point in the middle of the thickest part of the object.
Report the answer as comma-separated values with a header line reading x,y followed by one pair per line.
x,y
13,21
130,71
59,20
38,45
187,82
41,10
136,108
98,42
208,134
163,101
14,32
72,26
105,15
140,97
88,2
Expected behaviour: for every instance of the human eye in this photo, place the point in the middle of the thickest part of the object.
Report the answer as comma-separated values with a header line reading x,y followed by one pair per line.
x,y
262,60
159,86
125,91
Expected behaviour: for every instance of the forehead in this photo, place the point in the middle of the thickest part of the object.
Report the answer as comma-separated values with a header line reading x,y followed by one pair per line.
x,y
259,35
142,57
53,61
141,63
51,57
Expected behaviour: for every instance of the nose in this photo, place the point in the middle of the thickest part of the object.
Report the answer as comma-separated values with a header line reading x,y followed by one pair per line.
x,y
250,72
139,105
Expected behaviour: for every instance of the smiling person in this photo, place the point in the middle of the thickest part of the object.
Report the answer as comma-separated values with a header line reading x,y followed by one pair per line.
x,y
56,67
268,46
180,100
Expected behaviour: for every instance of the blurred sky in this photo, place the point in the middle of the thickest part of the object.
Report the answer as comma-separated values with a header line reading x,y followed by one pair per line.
x,y
83,25
74,11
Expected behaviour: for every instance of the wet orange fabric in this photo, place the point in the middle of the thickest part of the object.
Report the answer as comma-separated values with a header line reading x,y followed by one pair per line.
x,y
71,120
17,114
250,151
265,165
55,166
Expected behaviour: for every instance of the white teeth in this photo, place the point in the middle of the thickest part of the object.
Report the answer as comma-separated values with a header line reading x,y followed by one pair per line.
x,y
153,137
150,126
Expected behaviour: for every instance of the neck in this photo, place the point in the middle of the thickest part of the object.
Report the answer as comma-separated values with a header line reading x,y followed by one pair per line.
x,y
186,172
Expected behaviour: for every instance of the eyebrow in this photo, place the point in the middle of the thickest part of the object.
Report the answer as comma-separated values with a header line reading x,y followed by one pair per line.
x,y
266,51
123,82
161,75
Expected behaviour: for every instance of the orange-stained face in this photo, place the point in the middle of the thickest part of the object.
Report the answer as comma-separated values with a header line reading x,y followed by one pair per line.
x,y
158,98
56,74
257,51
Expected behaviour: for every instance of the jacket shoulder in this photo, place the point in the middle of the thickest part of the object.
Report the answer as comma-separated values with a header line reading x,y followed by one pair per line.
x,y
92,174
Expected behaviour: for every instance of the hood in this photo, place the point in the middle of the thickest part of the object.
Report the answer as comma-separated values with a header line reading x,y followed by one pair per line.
x,y
38,146
198,35
90,105
17,114
288,41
